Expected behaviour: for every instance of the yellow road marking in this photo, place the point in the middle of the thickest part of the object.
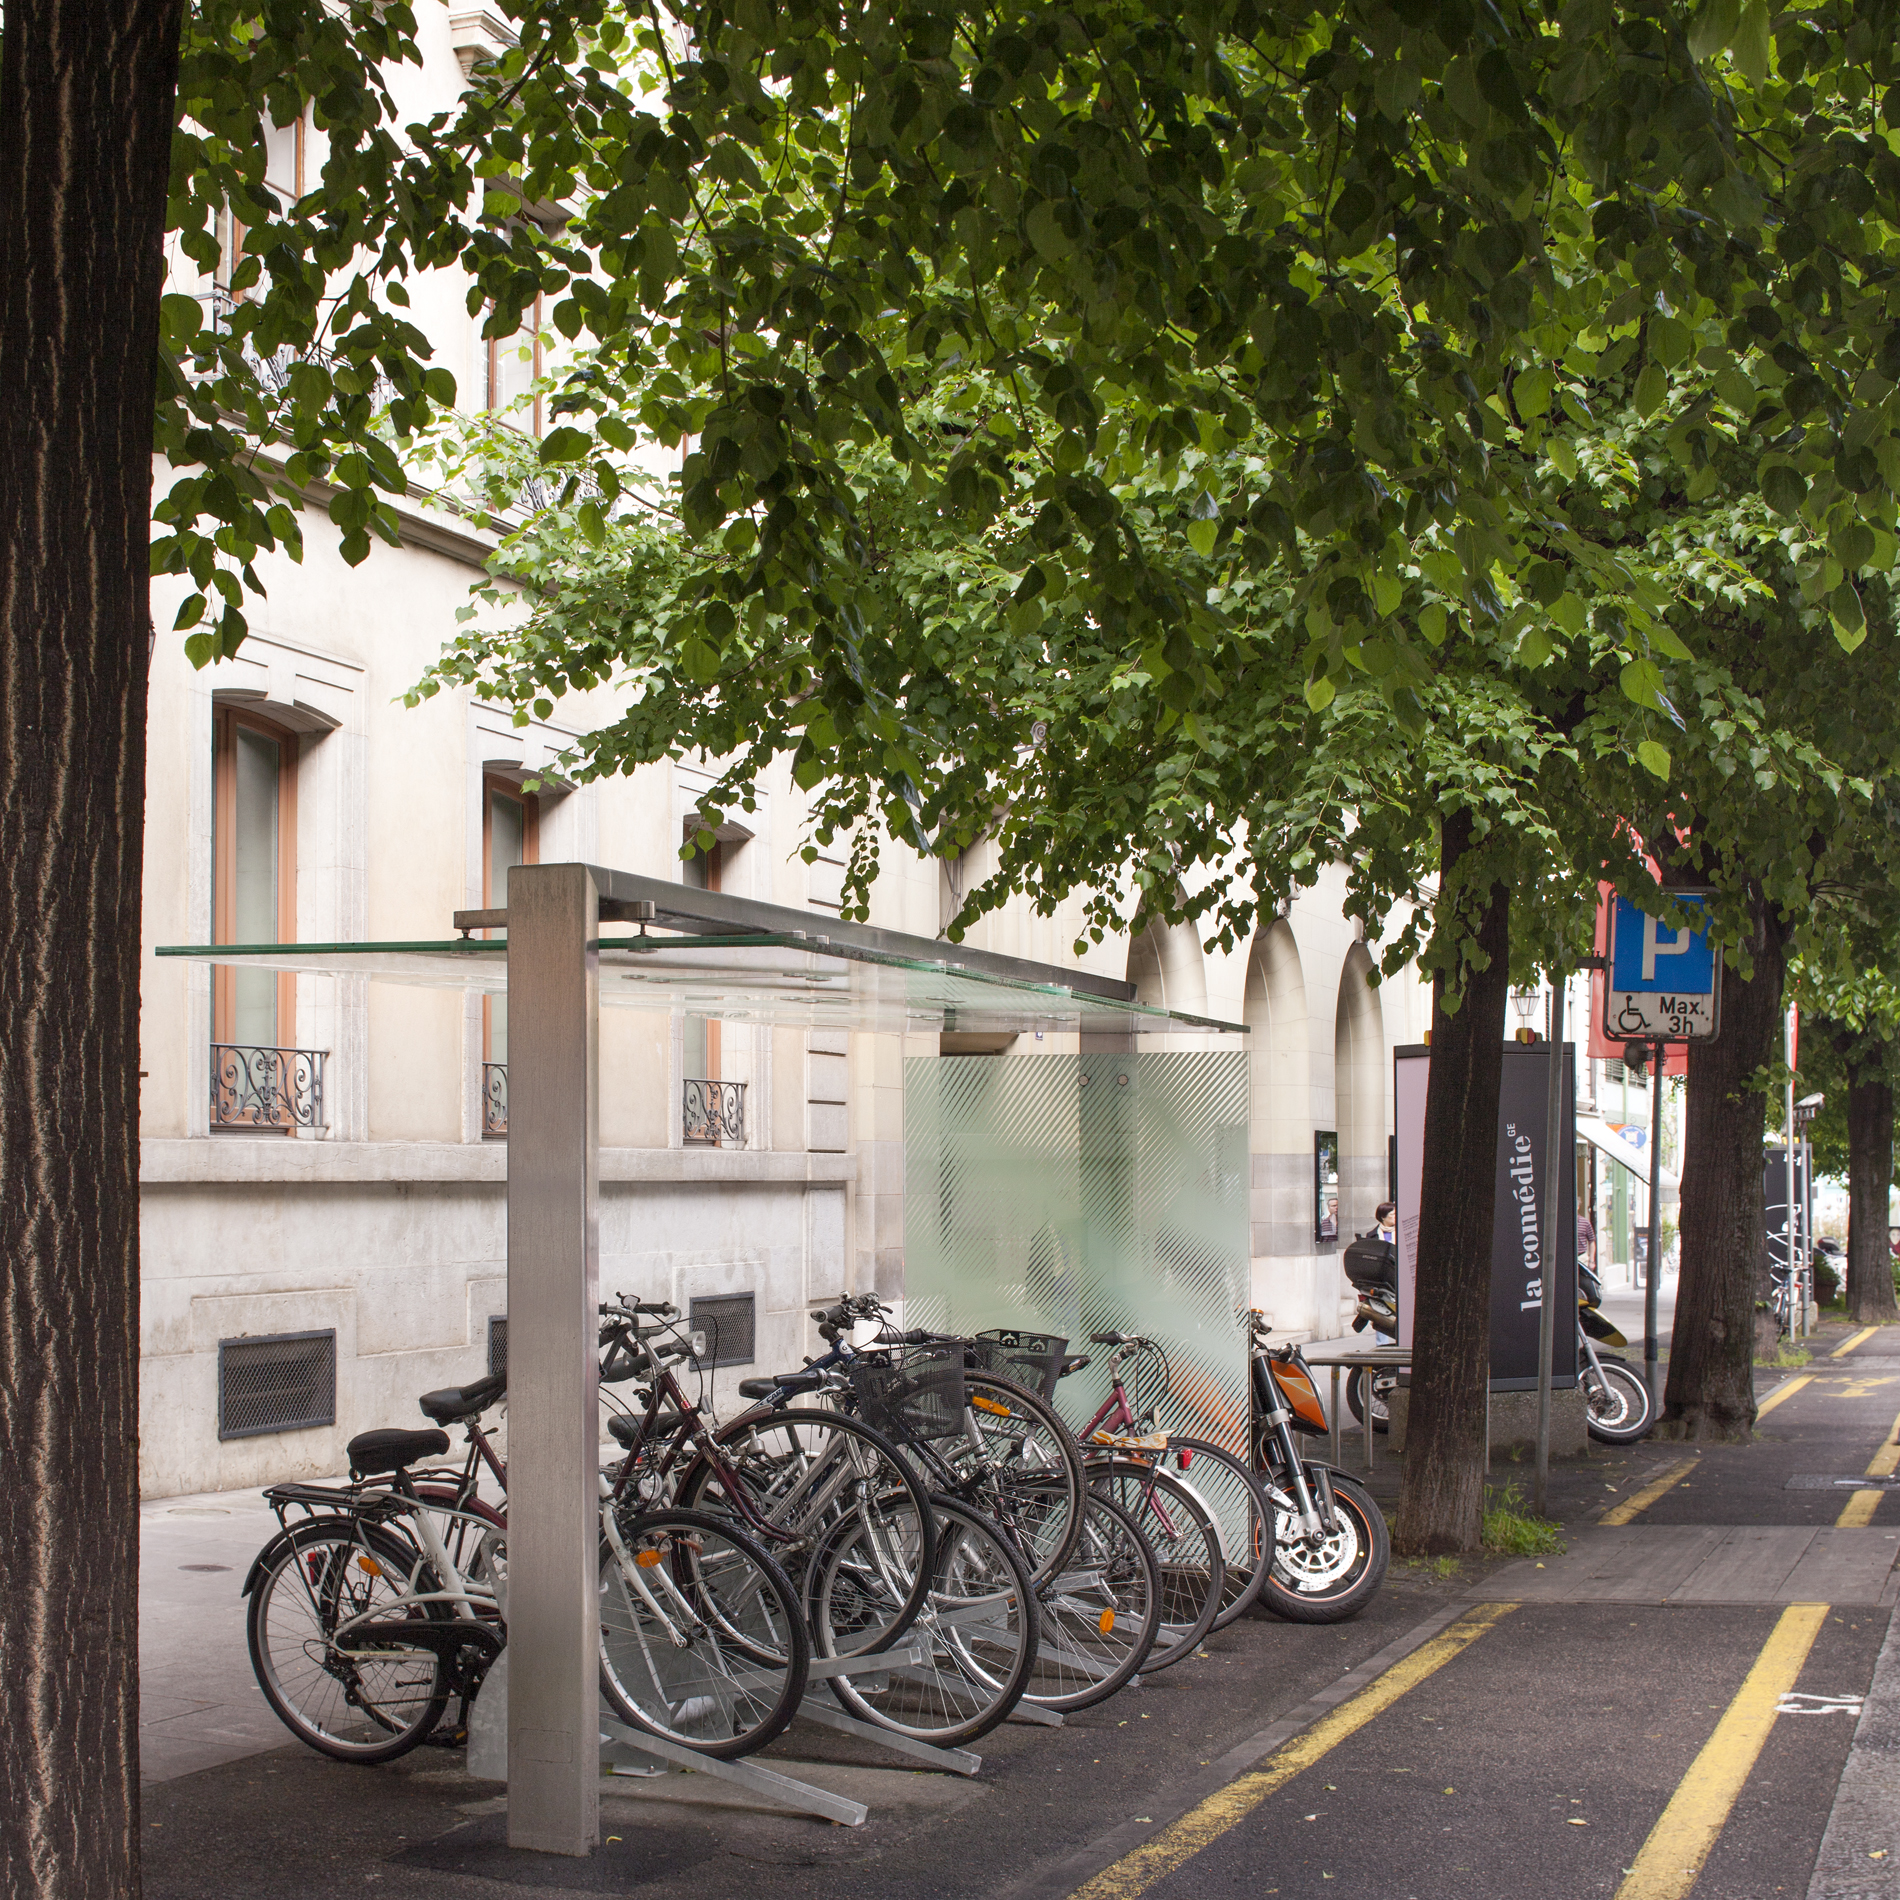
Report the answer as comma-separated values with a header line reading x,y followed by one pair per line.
x,y
1671,1859
1847,1345
1201,1826
1862,1388
1641,1500
1859,1510
1781,1392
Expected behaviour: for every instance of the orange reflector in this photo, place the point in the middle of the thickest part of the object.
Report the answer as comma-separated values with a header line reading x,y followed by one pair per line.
x,y
371,1565
981,1404
646,1559
1105,1622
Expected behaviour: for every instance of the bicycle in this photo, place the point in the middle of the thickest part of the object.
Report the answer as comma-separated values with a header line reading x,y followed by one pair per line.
x,y
1223,1482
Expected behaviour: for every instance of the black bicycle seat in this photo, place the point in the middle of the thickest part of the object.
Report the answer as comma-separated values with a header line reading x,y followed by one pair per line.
x,y
624,1429
372,1453
456,1402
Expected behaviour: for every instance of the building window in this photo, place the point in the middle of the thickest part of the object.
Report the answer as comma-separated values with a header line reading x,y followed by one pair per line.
x,y
254,874
515,364
700,871
511,835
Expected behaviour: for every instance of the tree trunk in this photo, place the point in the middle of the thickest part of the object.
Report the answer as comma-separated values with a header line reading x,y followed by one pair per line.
x,y
1441,1506
86,109
1869,1294
1711,1389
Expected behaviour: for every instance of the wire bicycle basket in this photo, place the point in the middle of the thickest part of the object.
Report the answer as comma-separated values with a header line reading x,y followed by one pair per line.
x,y
917,1393
1031,1359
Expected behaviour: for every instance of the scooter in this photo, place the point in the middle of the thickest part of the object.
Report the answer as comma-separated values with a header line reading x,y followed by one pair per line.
x,y
1615,1395
1372,1265
1331,1546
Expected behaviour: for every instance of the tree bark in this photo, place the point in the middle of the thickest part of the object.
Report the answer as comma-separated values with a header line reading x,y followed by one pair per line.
x,y
1711,1389
86,111
1441,1506
1869,1292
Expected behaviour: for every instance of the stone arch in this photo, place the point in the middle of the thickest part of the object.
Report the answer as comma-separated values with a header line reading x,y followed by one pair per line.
x,y
1167,966
1359,1091
1282,1090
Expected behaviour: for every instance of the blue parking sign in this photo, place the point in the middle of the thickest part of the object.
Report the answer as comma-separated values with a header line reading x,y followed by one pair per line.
x,y
1651,958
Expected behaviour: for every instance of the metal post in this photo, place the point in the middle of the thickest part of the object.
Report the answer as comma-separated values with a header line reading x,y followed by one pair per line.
x,y
1553,1215
553,1367
1651,1358
1787,1176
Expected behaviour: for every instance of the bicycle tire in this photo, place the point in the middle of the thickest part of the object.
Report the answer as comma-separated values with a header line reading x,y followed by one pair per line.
x,y
1328,1579
372,1711
1237,1490
1181,1528
1027,1447
716,1586
1624,1412
773,1457
978,1628
1111,1589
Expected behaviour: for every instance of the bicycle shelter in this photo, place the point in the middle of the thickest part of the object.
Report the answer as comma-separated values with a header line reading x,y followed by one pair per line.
x,y
1042,1201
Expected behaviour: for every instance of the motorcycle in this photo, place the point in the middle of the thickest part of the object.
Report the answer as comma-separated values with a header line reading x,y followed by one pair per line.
x,y
1331,1547
1617,1397
1372,1265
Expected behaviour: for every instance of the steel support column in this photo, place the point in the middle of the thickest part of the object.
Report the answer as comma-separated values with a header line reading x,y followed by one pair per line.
x,y
553,1372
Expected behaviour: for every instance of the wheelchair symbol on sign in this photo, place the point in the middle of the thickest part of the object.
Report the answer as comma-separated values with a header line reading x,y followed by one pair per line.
x,y
1631,1021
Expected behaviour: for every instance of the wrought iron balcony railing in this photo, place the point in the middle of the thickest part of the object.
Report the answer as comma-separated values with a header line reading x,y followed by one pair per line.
x,y
266,1088
494,1101
713,1113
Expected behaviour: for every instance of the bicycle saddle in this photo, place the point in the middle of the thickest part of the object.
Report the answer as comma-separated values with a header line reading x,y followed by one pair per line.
x,y
457,1402
372,1453
625,1431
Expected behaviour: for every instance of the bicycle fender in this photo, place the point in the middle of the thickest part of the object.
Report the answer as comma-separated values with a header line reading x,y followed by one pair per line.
x,y
273,1545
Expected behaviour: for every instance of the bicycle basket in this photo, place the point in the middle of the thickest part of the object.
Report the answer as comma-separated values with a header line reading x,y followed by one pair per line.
x,y
1031,1359
918,1394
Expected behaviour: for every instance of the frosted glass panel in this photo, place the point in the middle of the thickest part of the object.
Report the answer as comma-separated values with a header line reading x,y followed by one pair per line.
x,y
259,770
1082,1194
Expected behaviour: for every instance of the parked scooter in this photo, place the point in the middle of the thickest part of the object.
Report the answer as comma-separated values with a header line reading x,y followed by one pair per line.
x,y
1372,1265
1331,1546
1615,1395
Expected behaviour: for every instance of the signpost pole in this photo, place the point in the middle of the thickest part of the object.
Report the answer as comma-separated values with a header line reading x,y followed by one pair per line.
x,y
1554,1164
1651,1369
1796,1325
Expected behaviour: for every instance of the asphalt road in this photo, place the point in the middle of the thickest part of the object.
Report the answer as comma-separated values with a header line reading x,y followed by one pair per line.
x,y
1455,1743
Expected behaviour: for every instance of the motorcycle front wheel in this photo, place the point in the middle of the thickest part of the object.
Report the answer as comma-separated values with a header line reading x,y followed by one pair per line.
x,y
1618,1402
1329,1576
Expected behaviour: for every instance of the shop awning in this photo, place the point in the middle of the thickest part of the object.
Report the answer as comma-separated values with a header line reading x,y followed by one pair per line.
x,y
1606,1140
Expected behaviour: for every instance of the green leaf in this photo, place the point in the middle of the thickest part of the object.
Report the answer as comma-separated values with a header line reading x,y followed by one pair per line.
x,y
1751,42
1319,692
1655,758
1531,391
1202,535
1642,681
1387,591
565,444
593,526
1563,457
1783,488
179,319
1849,618
1714,28
1651,387
700,661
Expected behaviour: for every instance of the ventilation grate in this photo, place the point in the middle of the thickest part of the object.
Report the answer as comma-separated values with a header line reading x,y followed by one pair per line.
x,y
277,1382
728,1325
497,1343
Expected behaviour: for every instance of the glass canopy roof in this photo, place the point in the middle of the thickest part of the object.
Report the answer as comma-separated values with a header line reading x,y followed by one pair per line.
x,y
791,979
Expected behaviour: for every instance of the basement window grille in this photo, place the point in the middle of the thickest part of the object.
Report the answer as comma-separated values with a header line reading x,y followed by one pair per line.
x,y
729,1328
498,1343
276,1382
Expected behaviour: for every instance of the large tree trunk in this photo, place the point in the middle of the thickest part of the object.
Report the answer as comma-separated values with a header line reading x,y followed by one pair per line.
x,y
1441,1506
1870,1297
86,106
1711,1389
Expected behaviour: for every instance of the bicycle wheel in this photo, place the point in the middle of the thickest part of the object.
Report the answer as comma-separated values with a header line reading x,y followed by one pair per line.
x,y
1181,1529
1242,1515
1618,1402
363,1698
1020,1465
700,1635
1099,1618
1328,1576
802,1473
971,1650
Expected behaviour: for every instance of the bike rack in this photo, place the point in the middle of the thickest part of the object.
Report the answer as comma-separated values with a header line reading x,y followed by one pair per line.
x,y
633,1752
